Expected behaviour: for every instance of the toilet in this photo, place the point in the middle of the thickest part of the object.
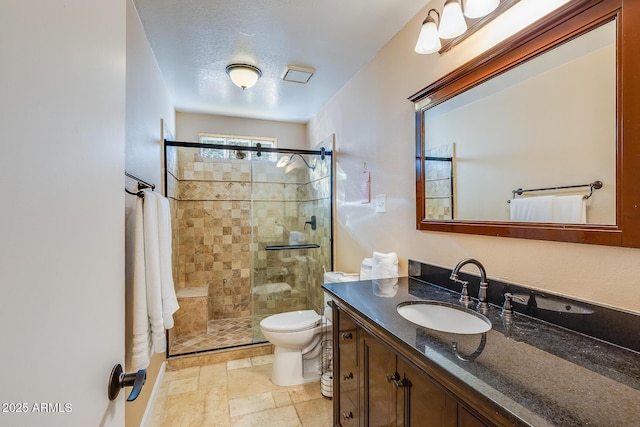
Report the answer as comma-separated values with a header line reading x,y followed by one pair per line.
x,y
297,337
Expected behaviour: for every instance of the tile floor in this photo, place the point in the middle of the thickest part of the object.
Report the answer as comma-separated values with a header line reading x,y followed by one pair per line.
x,y
221,333
237,393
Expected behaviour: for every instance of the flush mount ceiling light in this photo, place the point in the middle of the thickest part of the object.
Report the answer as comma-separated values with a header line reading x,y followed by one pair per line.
x,y
297,74
479,8
428,40
452,23
243,75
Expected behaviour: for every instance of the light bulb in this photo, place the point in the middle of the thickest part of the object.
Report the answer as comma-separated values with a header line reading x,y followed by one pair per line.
x,y
428,40
479,8
452,23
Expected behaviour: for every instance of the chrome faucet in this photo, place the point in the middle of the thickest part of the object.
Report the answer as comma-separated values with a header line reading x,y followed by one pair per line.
x,y
482,293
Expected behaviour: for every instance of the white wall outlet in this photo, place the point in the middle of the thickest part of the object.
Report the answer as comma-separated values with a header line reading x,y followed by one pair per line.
x,y
381,203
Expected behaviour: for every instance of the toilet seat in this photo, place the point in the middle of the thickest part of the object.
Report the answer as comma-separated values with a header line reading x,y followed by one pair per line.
x,y
292,321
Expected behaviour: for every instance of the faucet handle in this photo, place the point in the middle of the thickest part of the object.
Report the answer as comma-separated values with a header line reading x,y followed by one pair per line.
x,y
464,293
507,309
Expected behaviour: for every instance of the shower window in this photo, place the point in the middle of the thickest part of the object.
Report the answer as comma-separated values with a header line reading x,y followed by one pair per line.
x,y
218,153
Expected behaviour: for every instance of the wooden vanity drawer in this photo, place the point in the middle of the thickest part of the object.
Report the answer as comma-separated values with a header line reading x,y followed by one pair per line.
x,y
346,376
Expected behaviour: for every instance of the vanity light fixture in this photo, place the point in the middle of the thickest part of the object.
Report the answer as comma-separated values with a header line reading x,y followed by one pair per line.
x,y
452,23
243,75
428,40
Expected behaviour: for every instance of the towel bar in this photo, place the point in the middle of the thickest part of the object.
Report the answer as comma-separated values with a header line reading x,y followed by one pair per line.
x,y
141,185
595,185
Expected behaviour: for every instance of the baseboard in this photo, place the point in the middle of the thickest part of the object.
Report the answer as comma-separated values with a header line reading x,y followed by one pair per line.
x,y
148,412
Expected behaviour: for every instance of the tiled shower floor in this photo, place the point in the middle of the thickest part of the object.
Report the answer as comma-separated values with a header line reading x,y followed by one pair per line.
x,y
222,333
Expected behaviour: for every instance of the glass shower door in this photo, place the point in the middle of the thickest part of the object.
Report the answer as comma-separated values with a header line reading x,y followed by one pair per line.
x,y
291,241
250,237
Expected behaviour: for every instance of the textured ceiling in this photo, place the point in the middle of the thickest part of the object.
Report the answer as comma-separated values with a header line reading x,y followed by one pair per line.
x,y
194,40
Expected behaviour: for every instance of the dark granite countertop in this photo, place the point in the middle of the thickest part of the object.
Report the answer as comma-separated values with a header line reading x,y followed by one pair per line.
x,y
539,373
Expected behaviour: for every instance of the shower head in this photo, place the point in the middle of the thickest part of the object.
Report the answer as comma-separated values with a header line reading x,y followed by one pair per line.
x,y
286,161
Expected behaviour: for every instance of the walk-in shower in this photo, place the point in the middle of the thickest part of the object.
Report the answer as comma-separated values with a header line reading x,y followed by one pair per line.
x,y
243,244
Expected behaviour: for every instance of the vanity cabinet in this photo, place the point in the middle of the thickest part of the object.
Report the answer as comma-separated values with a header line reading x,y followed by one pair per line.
x,y
375,386
382,402
347,389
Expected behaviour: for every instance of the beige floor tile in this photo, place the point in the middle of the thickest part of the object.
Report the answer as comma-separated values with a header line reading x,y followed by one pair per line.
x,y
304,392
278,417
184,420
213,375
262,360
183,386
281,398
182,373
315,413
209,395
191,401
216,407
238,364
250,404
185,409
160,399
250,381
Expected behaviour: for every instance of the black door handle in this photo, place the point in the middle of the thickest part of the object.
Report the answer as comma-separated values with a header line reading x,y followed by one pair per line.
x,y
119,380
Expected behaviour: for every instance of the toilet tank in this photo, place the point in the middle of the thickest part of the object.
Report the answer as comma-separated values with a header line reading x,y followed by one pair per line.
x,y
336,277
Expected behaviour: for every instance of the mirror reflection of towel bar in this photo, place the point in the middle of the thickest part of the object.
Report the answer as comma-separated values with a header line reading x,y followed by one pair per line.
x,y
595,185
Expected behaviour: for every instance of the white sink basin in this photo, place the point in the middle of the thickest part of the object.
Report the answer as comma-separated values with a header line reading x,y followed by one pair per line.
x,y
444,317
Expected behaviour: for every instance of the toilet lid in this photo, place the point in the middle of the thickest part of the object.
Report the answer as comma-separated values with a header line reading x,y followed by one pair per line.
x,y
291,321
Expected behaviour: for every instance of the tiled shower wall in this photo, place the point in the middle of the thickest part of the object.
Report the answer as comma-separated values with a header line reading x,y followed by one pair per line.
x,y
211,204
438,183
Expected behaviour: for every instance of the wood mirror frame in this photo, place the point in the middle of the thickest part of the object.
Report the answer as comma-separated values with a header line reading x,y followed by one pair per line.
x,y
566,23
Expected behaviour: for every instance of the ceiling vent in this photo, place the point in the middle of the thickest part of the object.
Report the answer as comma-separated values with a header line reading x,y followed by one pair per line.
x,y
297,74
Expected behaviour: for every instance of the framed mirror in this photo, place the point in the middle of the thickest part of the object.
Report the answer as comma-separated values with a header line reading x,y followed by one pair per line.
x,y
537,137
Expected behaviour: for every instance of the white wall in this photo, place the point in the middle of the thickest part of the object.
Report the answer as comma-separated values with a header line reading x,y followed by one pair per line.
x,y
62,114
147,102
289,135
374,123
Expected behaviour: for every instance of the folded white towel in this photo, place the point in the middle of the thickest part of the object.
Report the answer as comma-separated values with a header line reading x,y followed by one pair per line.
x,y
385,288
384,266
152,271
169,300
570,209
532,209
365,269
141,348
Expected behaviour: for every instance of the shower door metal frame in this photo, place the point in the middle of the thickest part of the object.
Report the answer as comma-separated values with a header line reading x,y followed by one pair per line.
x,y
258,149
